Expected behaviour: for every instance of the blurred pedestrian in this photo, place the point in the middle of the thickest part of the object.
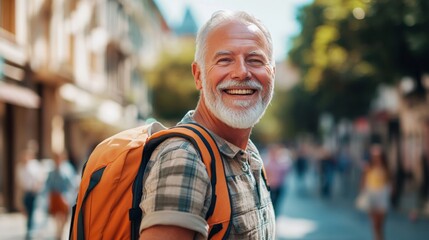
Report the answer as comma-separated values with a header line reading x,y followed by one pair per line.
x,y
30,179
61,186
327,171
301,165
277,162
344,167
376,184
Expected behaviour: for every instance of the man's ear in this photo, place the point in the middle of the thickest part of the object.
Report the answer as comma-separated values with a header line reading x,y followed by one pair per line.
x,y
196,71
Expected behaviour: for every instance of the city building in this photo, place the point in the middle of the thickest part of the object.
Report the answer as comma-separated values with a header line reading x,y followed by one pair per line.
x,y
70,75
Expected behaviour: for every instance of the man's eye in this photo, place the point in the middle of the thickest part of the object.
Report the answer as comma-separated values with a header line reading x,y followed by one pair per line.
x,y
255,62
224,60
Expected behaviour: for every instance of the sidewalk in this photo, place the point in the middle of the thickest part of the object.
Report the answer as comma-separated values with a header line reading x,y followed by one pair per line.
x,y
306,216
12,227
303,216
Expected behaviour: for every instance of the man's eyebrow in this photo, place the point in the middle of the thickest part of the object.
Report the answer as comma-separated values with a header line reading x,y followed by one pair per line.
x,y
221,53
257,53
252,53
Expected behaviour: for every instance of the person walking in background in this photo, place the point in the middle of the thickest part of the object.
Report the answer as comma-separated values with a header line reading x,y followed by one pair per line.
x,y
31,177
61,187
301,166
344,167
376,186
327,171
277,162
234,72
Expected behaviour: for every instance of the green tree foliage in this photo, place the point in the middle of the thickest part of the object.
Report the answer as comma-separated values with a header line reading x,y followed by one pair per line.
x,y
348,47
395,35
172,85
299,104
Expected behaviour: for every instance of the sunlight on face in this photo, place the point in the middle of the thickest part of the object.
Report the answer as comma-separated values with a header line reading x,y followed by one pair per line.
x,y
250,112
237,78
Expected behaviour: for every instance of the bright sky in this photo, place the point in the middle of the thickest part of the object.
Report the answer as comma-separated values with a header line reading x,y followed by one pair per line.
x,y
278,15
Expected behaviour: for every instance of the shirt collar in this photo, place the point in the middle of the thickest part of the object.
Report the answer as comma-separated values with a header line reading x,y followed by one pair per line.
x,y
225,147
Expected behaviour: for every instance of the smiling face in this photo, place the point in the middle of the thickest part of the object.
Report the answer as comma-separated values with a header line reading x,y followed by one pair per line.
x,y
237,83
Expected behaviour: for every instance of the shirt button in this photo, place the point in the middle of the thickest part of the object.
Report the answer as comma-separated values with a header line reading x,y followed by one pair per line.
x,y
244,167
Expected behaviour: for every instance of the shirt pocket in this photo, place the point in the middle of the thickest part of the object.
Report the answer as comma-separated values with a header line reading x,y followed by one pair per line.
x,y
245,226
252,225
243,193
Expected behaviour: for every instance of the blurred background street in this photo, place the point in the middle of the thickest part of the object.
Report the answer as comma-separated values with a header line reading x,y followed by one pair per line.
x,y
304,215
350,74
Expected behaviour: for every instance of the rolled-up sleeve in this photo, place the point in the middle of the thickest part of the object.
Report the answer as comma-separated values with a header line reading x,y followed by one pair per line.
x,y
177,188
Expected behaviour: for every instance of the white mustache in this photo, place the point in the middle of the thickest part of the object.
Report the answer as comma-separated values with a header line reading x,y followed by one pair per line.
x,y
240,84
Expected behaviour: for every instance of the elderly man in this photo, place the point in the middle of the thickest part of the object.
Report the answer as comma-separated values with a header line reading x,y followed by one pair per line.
x,y
234,72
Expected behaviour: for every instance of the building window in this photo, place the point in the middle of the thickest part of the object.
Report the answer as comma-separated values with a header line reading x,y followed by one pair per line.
x,y
7,15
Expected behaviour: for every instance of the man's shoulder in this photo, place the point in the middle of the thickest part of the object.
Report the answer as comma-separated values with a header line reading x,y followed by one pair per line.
x,y
175,146
177,156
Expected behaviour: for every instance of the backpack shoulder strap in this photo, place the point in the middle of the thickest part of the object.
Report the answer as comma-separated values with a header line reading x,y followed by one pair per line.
x,y
219,213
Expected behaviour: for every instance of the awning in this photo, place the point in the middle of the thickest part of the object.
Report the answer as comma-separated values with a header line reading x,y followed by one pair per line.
x,y
20,96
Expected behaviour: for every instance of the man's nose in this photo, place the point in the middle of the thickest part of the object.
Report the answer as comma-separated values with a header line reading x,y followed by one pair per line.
x,y
240,71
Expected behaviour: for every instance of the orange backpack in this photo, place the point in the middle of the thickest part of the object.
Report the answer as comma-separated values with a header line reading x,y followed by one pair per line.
x,y
107,205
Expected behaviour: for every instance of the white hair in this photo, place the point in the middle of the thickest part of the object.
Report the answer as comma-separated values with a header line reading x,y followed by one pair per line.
x,y
220,17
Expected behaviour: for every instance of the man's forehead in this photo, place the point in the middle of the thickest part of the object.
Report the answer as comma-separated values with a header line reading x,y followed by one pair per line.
x,y
236,25
236,30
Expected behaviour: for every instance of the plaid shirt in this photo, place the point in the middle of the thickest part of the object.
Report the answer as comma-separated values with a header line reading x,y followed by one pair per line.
x,y
177,189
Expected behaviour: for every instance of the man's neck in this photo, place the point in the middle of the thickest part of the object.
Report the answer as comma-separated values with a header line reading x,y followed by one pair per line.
x,y
238,137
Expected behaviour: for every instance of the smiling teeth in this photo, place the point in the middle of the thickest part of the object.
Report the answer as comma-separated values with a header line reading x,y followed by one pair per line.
x,y
240,91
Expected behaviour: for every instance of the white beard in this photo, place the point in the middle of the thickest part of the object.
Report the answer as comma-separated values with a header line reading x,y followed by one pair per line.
x,y
246,118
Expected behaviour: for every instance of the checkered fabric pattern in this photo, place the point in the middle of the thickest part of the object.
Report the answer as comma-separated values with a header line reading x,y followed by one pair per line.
x,y
177,189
